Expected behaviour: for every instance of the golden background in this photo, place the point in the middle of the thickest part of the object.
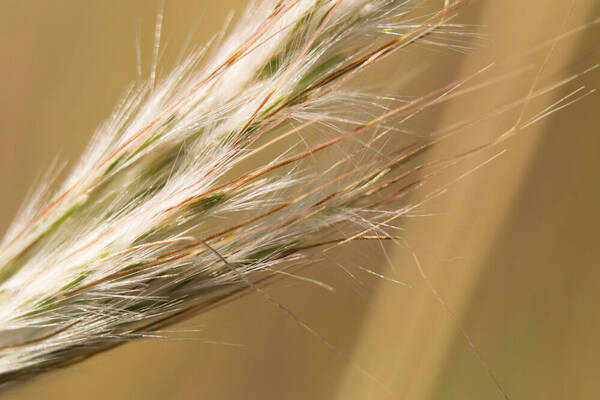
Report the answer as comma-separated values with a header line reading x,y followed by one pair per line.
x,y
512,249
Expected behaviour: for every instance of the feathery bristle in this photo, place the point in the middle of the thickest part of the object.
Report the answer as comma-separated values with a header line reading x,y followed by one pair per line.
x,y
173,208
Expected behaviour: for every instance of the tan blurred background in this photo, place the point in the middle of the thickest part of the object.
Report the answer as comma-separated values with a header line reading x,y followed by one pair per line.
x,y
512,248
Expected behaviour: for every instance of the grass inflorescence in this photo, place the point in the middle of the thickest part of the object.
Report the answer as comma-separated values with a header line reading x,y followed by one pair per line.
x,y
204,184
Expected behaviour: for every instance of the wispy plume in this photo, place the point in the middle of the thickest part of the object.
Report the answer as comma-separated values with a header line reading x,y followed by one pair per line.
x,y
218,178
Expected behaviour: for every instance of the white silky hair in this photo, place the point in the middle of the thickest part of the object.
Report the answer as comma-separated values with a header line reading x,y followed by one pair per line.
x,y
182,170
